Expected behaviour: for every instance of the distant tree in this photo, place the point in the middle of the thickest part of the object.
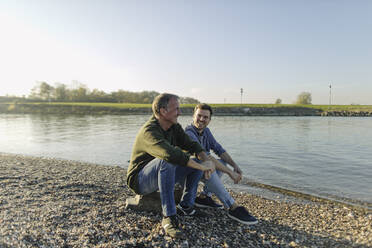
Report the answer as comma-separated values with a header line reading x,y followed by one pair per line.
x,y
61,93
100,96
304,98
188,100
82,93
46,91
42,91
278,101
147,96
122,96
79,92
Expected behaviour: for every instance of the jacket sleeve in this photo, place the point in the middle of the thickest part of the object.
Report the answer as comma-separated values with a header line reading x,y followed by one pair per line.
x,y
155,144
215,146
186,143
192,135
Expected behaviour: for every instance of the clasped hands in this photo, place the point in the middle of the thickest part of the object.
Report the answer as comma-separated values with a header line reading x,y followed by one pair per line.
x,y
209,168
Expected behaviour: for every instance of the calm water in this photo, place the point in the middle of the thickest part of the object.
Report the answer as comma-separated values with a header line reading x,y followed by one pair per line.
x,y
324,156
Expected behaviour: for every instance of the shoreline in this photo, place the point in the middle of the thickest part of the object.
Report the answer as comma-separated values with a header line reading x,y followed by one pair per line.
x,y
274,192
53,202
219,109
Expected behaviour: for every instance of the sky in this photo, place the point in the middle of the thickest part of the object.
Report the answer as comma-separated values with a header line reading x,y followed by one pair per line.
x,y
208,50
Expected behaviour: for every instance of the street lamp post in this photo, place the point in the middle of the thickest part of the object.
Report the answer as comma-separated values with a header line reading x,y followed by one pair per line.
x,y
241,95
330,96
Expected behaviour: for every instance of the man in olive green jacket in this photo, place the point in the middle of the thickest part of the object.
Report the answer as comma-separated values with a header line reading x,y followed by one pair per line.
x,y
159,161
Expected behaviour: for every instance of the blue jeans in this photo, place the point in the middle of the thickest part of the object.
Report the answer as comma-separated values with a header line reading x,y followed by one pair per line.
x,y
214,185
161,175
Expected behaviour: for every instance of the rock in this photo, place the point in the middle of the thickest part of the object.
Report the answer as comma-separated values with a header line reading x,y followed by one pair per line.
x,y
293,244
150,202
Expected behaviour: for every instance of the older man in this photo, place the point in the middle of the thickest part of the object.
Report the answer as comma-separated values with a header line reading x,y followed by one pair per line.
x,y
199,132
158,161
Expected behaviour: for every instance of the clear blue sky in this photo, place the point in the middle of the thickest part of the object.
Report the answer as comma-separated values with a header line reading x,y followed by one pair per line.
x,y
202,49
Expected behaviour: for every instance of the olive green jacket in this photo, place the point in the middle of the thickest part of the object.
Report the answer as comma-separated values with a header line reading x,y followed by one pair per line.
x,y
153,142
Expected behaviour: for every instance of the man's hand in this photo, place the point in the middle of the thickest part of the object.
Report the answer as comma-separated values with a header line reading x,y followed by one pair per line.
x,y
209,168
236,177
238,170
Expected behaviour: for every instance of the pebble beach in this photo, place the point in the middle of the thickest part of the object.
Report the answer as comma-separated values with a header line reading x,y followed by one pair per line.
x,y
48,202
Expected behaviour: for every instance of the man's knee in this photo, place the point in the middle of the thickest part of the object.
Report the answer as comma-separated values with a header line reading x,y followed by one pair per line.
x,y
166,166
214,176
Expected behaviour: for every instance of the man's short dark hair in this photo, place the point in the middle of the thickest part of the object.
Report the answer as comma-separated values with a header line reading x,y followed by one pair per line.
x,y
203,106
161,101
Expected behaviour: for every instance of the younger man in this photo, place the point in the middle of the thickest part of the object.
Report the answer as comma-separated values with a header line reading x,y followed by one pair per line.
x,y
198,131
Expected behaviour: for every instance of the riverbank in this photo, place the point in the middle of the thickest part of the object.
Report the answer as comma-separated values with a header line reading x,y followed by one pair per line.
x,y
219,109
55,203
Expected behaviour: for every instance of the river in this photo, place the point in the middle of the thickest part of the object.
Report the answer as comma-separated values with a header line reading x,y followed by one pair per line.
x,y
328,157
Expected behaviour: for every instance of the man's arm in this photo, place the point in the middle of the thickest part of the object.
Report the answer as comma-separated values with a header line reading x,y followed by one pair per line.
x,y
202,156
236,177
221,152
152,141
227,158
207,167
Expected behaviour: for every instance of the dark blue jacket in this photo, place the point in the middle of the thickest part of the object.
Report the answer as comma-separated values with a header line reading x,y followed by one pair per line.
x,y
205,139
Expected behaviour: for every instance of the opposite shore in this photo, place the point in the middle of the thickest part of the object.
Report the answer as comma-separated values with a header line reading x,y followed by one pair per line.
x,y
219,109
48,202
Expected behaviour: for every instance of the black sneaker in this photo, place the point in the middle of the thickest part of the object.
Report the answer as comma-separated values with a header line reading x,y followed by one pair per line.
x,y
171,226
242,215
206,202
190,211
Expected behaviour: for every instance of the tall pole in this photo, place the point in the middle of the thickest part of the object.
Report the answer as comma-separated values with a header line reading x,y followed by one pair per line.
x,y
241,95
330,96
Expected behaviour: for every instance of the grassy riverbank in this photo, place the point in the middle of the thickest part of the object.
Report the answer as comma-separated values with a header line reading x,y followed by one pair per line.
x,y
220,109
59,203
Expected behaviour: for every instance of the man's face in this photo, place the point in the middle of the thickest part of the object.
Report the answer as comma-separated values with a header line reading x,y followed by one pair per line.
x,y
173,111
201,118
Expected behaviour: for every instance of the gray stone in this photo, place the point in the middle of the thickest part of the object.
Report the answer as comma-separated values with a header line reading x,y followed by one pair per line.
x,y
150,202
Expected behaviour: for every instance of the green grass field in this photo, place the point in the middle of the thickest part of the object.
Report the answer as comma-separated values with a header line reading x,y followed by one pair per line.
x,y
367,108
320,107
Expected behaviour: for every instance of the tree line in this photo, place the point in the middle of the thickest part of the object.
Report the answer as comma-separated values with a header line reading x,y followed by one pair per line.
x,y
303,98
81,93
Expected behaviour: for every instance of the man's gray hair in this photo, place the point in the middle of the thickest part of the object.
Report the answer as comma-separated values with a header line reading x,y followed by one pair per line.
x,y
161,101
